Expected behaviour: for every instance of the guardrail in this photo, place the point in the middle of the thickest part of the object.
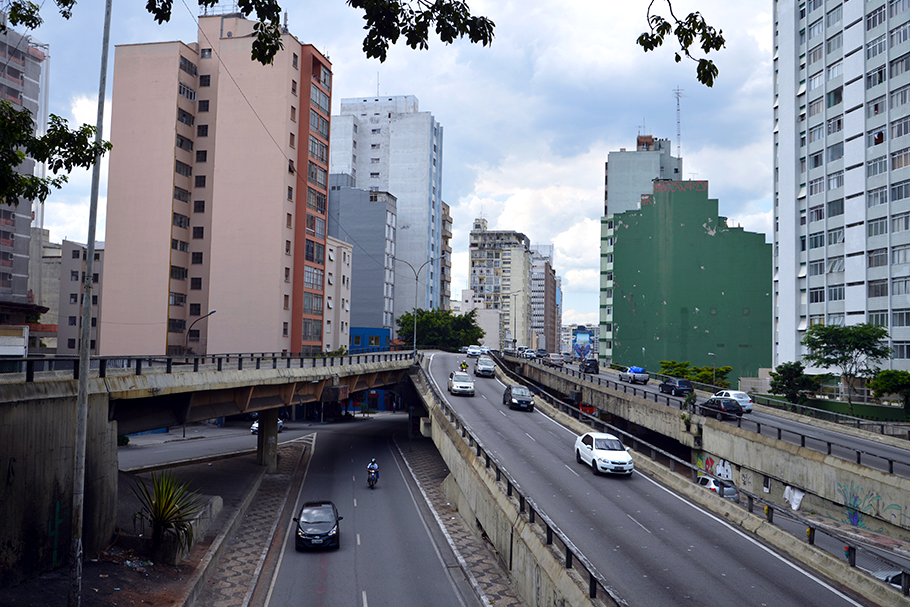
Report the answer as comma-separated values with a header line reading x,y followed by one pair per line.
x,y
859,456
572,557
26,370
837,418
838,545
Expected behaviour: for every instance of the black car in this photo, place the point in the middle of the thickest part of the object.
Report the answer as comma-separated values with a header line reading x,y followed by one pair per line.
x,y
723,407
317,526
589,366
676,387
518,397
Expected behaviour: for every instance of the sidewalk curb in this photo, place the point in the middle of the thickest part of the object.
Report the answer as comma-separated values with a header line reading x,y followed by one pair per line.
x,y
213,556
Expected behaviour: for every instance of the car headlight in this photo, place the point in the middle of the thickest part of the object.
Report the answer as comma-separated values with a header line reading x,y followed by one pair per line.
x,y
333,531
515,401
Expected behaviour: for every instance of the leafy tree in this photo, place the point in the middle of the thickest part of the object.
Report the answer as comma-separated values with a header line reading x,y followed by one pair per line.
x,y
891,381
712,376
60,148
688,31
169,507
789,380
675,369
853,350
440,329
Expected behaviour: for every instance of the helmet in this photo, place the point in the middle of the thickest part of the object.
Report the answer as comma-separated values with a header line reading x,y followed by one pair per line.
x,y
373,461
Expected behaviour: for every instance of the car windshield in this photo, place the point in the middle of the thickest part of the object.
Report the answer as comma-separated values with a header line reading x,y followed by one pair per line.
x,y
317,514
607,444
462,377
520,391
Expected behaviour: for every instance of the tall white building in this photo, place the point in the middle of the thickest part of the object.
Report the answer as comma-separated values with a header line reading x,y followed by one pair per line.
x,y
841,158
388,145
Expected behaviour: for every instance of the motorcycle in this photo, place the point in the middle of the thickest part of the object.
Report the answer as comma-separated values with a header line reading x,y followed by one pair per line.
x,y
372,478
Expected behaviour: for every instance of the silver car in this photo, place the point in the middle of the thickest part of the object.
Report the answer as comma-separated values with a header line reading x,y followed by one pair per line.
x,y
461,383
742,398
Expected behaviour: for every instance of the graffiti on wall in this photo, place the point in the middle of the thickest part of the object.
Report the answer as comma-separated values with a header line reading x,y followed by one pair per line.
x,y
720,468
860,505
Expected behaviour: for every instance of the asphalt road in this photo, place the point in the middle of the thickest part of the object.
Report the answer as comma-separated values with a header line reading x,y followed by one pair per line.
x,y
653,547
875,454
389,555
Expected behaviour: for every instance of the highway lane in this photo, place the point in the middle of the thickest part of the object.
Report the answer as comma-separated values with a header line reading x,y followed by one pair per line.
x,y
389,555
654,547
843,445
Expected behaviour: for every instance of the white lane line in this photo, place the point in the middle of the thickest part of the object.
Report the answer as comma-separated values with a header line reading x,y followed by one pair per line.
x,y
365,599
353,478
780,558
358,539
503,413
570,470
531,437
639,524
355,502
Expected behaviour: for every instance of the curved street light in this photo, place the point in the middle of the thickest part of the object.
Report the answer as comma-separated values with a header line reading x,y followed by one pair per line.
x,y
186,339
713,368
416,288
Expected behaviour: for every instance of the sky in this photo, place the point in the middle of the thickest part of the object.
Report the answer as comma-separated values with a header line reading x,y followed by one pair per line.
x,y
528,121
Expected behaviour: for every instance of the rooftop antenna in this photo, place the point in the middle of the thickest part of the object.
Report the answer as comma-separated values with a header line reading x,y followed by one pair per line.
x,y
678,92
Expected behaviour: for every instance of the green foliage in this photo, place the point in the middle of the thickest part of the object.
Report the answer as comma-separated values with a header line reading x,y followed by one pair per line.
x,y
891,381
123,440
789,380
690,31
339,351
169,507
60,148
440,329
712,376
854,350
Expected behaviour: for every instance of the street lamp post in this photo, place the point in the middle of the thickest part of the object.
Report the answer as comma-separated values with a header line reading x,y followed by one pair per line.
x,y
713,368
186,340
416,289
512,316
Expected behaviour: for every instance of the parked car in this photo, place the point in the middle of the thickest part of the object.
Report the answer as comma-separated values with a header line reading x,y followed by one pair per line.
x,y
254,429
518,397
554,360
635,375
723,407
589,366
484,367
461,383
603,453
741,397
473,351
317,526
727,491
676,386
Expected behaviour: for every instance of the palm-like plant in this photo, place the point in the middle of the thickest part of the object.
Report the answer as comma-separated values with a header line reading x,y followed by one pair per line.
x,y
168,505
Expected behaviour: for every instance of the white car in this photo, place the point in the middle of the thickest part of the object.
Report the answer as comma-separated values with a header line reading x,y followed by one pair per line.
x,y
741,397
254,429
603,453
461,383
474,351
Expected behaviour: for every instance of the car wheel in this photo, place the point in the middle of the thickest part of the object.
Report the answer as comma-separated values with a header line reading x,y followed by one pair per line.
x,y
297,547
720,416
531,409
594,467
577,456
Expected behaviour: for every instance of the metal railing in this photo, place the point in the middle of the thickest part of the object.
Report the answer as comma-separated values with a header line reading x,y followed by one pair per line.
x,y
26,370
855,553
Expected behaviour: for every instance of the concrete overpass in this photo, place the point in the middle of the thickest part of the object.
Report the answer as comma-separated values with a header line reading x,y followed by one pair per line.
x,y
37,430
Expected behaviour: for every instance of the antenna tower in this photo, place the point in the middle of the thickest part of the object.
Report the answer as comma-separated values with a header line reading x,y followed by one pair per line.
x,y
678,92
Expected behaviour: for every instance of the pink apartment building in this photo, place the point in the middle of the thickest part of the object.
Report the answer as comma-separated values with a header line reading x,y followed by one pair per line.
x,y
217,196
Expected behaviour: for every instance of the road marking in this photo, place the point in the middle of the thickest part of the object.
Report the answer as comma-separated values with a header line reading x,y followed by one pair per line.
x,y
355,502
358,539
503,413
531,437
570,470
353,478
639,524
365,599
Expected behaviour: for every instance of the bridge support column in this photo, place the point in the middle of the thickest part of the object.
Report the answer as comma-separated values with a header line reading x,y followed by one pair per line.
x,y
267,443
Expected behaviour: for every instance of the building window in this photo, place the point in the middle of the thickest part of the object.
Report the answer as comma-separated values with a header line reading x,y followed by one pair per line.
x,y
176,325
196,258
878,258
877,227
835,125
72,321
184,144
877,166
205,53
816,160
177,299
900,159
900,254
186,92
202,155
815,55
181,194
74,275
287,275
876,197
293,87
204,105
294,60
817,295
900,223
317,175
287,247
74,298
875,47
835,292
816,107
817,267
835,97
71,344
180,221
836,152
900,286
195,284
817,186
313,278
835,236
199,206
195,309
178,273
900,190
290,193
287,302
205,80
878,288
202,130
816,80
836,207
182,168
198,232
816,213
878,317
875,18
900,318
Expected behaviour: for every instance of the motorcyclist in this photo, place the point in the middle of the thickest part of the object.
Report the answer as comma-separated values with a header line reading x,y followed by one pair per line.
x,y
464,366
373,467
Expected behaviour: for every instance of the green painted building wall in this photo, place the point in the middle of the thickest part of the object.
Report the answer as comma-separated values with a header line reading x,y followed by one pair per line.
x,y
685,284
